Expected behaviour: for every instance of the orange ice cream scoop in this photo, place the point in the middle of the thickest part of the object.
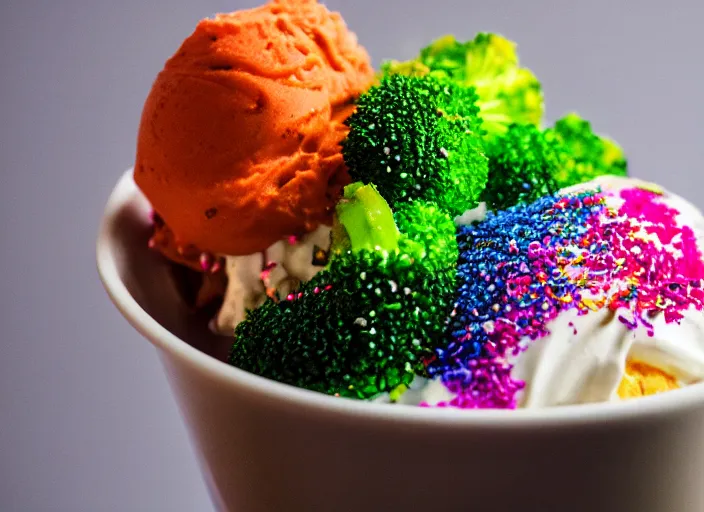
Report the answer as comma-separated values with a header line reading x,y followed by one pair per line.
x,y
642,379
239,142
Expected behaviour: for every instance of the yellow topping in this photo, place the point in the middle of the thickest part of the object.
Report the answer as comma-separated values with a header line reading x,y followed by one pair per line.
x,y
642,379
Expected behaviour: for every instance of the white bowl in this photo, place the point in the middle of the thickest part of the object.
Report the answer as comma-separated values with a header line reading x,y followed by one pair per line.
x,y
267,446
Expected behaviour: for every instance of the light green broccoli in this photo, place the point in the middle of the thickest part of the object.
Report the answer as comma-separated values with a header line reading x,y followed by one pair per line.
x,y
583,155
507,93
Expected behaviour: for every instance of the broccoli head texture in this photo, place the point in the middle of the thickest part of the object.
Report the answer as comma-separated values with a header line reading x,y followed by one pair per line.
x,y
522,166
583,155
429,236
418,138
363,325
359,328
489,63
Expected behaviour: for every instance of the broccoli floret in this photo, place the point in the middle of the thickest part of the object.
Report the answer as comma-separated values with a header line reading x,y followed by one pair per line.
x,y
363,325
357,329
429,235
418,138
367,219
507,93
584,155
522,166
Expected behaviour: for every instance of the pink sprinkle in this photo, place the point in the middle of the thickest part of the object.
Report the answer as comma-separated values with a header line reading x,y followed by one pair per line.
x,y
206,261
264,274
612,258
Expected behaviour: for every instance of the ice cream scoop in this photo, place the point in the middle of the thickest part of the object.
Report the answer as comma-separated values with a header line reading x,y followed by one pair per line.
x,y
590,295
238,145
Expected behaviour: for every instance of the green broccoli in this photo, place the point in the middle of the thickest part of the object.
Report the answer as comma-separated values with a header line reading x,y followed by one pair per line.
x,y
584,155
418,138
429,236
522,166
367,220
363,325
507,93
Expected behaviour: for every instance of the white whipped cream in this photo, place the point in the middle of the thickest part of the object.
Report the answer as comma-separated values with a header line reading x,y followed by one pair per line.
x,y
585,362
476,214
420,391
583,358
289,263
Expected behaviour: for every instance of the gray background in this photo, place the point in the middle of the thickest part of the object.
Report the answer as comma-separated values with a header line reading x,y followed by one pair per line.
x,y
87,422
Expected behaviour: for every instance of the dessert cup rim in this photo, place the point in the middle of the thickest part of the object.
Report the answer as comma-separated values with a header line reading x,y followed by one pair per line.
x,y
126,193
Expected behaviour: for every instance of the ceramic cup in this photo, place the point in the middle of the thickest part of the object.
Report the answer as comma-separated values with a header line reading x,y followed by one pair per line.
x,y
266,446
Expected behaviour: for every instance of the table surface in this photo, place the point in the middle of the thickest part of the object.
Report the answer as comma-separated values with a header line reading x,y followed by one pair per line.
x,y
88,422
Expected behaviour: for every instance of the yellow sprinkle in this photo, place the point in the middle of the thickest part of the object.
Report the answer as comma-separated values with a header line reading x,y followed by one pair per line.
x,y
396,393
590,304
651,187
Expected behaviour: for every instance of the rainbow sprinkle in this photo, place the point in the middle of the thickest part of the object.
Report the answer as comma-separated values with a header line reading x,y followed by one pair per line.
x,y
520,268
